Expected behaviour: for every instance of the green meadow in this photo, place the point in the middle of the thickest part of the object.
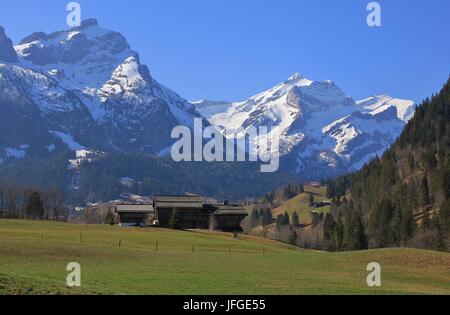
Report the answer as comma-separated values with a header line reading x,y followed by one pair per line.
x,y
34,256
300,204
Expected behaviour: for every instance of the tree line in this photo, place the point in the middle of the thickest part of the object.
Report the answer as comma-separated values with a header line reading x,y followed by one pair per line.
x,y
26,202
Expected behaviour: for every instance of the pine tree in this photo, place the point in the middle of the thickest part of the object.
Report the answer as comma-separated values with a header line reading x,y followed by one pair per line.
x,y
339,234
311,200
109,219
286,219
330,190
35,207
295,220
279,222
443,216
254,218
381,227
328,227
266,217
425,192
173,222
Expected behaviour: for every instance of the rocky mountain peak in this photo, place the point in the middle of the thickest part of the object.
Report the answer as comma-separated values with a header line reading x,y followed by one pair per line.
x,y
7,52
89,40
298,80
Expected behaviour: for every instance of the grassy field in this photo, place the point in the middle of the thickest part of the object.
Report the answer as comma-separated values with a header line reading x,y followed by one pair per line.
x,y
300,204
199,262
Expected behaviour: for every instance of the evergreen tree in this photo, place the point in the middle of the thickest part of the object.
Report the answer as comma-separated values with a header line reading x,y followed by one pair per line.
x,y
329,228
339,234
295,219
254,218
407,224
443,216
282,221
381,227
425,192
286,219
279,222
266,218
301,189
311,200
174,222
330,190
109,219
35,207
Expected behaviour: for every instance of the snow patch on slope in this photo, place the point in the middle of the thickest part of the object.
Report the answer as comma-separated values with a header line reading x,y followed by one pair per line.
x,y
68,140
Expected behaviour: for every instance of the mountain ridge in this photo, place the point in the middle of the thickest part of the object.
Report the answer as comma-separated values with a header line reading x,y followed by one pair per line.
x,y
91,87
315,120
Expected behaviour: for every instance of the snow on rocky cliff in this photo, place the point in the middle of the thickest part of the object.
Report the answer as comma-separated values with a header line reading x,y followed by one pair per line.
x,y
90,86
322,131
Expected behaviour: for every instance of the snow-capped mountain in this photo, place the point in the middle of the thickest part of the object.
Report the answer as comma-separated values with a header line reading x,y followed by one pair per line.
x,y
322,131
86,88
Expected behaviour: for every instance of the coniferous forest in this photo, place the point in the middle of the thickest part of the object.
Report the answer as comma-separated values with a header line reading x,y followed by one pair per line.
x,y
402,198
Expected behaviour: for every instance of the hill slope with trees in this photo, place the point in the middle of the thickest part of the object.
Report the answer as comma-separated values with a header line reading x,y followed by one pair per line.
x,y
402,198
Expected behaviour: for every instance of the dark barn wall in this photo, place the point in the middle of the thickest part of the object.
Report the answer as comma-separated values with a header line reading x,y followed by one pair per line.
x,y
133,217
227,222
187,218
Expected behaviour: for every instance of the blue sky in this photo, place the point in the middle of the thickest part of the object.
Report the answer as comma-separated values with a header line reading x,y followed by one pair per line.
x,y
232,49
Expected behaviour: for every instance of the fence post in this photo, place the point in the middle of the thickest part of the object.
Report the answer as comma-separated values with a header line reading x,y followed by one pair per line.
x,y
81,238
120,243
156,246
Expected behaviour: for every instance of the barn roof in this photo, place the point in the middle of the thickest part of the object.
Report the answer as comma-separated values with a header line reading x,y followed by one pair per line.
x,y
134,208
228,209
231,212
178,201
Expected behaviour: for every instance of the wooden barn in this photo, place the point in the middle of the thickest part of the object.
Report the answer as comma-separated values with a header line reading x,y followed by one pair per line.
x,y
226,217
188,209
191,212
135,215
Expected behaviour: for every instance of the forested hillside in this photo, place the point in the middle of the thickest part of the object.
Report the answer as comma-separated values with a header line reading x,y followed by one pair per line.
x,y
100,178
402,198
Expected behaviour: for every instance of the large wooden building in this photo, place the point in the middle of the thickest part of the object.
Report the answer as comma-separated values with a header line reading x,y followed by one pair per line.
x,y
187,209
189,212
135,215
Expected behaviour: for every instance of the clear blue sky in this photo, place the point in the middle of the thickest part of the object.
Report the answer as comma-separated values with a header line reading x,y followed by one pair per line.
x,y
232,49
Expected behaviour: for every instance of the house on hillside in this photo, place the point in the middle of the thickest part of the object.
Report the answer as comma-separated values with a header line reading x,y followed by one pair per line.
x,y
191,212
314,184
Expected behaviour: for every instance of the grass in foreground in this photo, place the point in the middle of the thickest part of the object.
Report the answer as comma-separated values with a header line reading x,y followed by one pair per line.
x,y
199,262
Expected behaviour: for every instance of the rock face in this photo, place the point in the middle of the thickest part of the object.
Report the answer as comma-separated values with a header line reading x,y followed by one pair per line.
x,y
7,52
322,131
88,89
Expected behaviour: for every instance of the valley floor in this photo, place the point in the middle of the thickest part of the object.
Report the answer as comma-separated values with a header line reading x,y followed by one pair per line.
x,y
34,256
